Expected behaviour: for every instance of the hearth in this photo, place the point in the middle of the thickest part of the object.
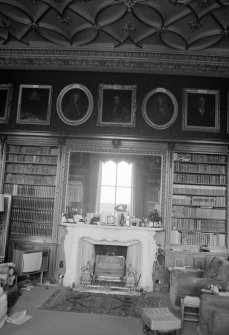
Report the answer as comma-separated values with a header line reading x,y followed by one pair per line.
x,y
81,241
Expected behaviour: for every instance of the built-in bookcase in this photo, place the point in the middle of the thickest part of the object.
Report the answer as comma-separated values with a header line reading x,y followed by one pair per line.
x,y
30,177
199,200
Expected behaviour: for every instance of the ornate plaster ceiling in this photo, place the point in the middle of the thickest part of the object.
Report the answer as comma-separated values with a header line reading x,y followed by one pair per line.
x,y
123,28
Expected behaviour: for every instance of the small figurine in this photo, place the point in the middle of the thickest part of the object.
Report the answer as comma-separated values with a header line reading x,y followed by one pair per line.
x,y
69,214
155,218
122,220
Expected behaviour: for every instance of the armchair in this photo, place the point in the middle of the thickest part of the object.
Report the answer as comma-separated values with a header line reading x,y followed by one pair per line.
x,y
8,289
214,315
216,273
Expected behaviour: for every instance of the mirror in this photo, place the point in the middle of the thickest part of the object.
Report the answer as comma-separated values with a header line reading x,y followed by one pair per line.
x,y
133,180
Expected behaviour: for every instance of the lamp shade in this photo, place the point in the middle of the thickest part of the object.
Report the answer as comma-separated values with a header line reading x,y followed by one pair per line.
x,y
1,202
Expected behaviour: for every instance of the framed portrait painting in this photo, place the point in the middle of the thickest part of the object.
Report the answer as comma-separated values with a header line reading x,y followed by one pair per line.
x,y
159,108
74,104
201,110
117,105
34,104
6,91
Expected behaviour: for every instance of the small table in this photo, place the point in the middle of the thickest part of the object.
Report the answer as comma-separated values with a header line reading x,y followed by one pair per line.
x,y
190,309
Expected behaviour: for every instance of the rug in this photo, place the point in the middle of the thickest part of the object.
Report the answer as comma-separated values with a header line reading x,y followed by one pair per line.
x,y
68,300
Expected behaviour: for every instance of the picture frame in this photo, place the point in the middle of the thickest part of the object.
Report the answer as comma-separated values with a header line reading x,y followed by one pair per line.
x,y
6,92
159,108
34,104
74,104
200,110
117,105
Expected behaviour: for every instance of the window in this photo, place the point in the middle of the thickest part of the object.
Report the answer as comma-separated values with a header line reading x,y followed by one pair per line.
x,y
115,185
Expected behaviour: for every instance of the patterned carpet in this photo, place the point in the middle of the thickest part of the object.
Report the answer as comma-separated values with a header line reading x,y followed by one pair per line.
x,y
68,300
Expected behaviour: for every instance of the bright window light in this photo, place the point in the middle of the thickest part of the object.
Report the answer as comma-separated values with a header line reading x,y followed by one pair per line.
x,y
115,185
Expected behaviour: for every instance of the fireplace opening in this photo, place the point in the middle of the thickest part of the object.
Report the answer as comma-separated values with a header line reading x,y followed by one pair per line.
x,y
110,265
111,250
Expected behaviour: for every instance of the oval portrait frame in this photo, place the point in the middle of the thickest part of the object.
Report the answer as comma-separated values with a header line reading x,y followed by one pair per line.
x,y
172,103
65,92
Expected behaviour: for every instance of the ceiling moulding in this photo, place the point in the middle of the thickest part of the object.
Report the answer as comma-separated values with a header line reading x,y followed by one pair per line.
x,y
198,64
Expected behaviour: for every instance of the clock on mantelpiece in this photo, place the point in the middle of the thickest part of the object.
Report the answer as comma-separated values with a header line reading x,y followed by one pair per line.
x,y
111,220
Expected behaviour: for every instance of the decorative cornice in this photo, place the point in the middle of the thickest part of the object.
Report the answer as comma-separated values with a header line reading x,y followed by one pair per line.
x,y
113,60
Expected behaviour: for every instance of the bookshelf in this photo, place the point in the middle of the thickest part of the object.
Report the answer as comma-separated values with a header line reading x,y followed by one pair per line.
x,y
30,177
199,200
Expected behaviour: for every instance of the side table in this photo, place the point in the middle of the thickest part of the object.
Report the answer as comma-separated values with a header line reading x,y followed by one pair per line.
x,y
190,307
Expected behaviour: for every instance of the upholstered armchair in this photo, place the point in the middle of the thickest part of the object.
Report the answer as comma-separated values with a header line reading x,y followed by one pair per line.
x,y
7,279
213,315
216,273
8,289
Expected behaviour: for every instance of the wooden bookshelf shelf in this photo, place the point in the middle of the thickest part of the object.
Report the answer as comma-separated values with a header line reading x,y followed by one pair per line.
x,y
199,199
30,177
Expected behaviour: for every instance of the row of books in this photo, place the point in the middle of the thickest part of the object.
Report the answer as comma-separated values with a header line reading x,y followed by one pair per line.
x,y
31,169
35,159
199,200
30,190
200,190
198,212
203,239
198,238
213,226
29,149
30,179
200,179
200,168
33,203
28,215
193,157
31,229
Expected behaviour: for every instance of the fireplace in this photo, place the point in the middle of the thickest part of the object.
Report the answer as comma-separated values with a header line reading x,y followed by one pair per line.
x,y
81,241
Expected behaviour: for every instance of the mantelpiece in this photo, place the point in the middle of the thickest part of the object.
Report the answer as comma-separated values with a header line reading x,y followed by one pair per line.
x,y
79,248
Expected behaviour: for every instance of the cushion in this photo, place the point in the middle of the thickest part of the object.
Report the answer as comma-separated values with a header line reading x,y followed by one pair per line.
x,y
213,267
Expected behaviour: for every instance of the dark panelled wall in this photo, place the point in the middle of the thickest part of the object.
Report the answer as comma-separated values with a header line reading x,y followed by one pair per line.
x,y
144,82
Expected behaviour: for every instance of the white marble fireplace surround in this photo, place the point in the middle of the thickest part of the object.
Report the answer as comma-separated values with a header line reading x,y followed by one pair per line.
x,y
79,247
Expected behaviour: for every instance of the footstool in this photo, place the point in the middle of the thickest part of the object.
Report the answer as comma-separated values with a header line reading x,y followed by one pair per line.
x,y
160,320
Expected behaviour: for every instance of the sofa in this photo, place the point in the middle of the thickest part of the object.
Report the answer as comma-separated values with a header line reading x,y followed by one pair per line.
x,y
216,273
213,315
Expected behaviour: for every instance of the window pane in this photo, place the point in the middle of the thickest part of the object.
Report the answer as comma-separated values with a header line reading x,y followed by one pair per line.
x,y
107,199
124,171
108,173
123,196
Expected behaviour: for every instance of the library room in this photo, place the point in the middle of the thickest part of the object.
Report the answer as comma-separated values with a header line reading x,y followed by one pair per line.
x,y
114,134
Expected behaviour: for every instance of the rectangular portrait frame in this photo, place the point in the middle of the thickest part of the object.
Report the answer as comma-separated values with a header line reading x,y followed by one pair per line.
x,y
117,105
6,92
34,104
201,110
